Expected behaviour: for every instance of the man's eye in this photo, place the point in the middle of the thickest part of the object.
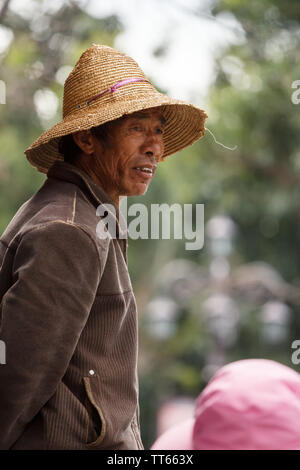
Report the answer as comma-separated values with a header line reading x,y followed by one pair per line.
x,y
159,130
136,128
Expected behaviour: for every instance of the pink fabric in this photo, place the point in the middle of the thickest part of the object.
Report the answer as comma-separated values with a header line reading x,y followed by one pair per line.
x,y
178,437
250,404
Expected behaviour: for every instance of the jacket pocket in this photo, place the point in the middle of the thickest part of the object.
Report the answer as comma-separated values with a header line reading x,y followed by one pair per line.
x,y
96,415
113,409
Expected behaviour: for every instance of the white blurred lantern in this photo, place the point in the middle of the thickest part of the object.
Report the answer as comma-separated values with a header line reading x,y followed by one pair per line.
x,y
275,317
222,318
162,314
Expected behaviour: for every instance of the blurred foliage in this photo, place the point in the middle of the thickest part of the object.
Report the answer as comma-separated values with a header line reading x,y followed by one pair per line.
x,y
256,186
41,45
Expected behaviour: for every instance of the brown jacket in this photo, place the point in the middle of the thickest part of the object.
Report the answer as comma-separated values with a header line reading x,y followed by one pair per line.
x,y
69,323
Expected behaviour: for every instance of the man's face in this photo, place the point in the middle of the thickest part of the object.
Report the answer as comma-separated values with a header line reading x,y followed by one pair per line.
x,y
136,142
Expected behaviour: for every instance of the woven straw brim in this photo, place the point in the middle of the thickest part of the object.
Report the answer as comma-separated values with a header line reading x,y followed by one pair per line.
x,y
184,126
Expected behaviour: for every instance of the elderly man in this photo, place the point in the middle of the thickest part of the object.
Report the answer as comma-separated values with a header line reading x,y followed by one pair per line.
x,y
68,313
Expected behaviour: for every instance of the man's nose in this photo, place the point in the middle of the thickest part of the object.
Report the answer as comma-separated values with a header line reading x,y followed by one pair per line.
x,y
153,147
153,157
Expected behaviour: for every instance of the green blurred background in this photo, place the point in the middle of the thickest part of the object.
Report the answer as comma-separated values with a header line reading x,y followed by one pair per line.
x,y
237,297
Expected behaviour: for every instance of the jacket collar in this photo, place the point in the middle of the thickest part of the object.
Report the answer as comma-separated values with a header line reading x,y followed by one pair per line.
x,y
97,196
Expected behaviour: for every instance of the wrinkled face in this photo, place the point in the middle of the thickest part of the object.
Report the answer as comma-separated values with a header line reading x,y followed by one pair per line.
x,y
136,144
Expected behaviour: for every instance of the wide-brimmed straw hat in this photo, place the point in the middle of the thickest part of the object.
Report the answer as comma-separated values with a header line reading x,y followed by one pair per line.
x,y
105,85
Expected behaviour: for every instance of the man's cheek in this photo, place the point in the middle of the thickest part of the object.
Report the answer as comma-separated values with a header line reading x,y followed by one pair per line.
x,y
125,159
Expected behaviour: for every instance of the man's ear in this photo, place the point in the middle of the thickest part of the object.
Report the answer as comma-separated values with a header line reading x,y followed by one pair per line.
x,y
85,141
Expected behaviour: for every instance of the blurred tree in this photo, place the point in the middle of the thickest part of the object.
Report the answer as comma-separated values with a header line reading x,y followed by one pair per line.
x,y
45,42
257,187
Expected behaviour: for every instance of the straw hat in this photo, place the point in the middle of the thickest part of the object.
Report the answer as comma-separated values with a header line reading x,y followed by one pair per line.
x,y
104,85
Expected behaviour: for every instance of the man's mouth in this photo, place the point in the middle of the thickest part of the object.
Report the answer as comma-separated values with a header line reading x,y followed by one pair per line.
x,y
144,171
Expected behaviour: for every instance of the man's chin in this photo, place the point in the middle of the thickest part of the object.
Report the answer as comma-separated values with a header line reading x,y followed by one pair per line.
x,y
140,191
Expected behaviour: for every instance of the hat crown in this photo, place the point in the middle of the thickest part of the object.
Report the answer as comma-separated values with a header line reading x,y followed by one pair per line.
x,y
97,69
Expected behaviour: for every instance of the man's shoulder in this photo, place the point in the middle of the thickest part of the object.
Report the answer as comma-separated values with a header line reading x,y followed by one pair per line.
x,y
67,202
56,201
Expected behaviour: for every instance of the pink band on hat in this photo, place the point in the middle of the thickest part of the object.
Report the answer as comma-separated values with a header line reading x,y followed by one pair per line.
x,y
114,87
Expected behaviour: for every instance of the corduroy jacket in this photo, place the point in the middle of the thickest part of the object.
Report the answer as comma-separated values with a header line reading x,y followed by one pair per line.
x,y
68,322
